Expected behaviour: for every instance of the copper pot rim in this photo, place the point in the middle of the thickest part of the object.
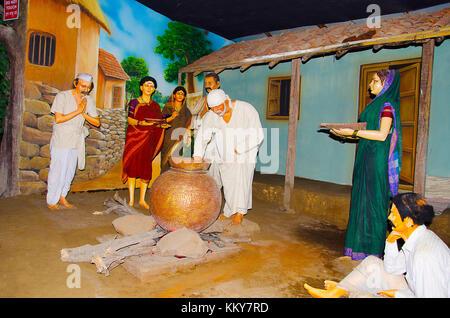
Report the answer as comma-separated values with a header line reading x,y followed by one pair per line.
x,y
188,164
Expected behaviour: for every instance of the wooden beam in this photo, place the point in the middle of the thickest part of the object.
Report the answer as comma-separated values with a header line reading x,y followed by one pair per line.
x,y
245,66
179,78
423,117
294,101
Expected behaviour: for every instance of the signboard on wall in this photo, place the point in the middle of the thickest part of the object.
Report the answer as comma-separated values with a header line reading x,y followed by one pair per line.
x,y
10,10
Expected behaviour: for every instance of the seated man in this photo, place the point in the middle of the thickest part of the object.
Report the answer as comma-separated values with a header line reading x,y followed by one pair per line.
x,y
420,269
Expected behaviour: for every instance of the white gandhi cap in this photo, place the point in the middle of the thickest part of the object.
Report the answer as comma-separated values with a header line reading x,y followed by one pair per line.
x,y
85,76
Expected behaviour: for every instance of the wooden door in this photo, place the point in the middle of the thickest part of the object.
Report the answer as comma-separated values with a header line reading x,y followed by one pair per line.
x,y
409,107
409,104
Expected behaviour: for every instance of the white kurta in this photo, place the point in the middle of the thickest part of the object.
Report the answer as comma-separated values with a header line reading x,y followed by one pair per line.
x,y
67,145
232,171
420,269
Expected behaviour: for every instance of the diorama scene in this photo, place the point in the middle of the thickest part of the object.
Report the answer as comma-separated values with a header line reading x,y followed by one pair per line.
x,y
233,149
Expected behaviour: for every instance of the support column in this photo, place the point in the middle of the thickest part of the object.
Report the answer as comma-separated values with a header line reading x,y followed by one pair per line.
x,y
423,121
294,102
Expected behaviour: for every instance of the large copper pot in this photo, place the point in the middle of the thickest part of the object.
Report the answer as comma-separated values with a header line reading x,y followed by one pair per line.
x,y
185,196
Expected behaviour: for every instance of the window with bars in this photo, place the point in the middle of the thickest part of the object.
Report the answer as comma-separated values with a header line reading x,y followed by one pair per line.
x,y
41,48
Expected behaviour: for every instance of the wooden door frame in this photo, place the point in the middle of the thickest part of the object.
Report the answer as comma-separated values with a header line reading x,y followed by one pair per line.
x,y
426,75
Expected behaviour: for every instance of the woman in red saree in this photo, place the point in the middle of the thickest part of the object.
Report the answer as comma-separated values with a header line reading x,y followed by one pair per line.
x,y
143,139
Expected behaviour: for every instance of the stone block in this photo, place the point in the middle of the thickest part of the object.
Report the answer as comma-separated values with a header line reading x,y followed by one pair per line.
x,y
32,187
37,107
45,123
182,242
29,120
36,136
134,224
43,174
30,90
28,149
24,163
46,89
99,144
45,151
92,151
28,175
39,163
95,134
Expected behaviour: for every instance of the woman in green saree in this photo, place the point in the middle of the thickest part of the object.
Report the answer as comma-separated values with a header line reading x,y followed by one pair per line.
x,y
376,169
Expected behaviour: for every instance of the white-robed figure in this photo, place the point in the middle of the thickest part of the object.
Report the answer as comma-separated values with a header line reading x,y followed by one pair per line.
x,y
71,108
235,131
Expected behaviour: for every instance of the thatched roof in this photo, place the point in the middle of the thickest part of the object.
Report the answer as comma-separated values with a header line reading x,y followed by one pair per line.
x,y
92,8
335,39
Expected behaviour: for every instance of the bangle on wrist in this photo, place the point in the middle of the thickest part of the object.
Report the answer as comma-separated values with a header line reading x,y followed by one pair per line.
x,y
355,133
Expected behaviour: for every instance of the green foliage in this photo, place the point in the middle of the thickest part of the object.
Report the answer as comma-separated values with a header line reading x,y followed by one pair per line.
x,y
4,84
182,44
136,68
159,98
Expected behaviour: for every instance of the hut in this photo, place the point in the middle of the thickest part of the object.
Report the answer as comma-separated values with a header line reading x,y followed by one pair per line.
x,y
326,68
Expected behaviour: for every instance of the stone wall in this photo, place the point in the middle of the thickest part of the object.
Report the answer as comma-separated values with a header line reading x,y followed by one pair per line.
x,y
104,145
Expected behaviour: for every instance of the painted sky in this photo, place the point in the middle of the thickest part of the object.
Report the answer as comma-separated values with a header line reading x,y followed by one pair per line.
x,y
134,29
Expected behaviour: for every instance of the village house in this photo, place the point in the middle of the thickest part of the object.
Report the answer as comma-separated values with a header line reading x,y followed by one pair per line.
x,y
110,82
329,67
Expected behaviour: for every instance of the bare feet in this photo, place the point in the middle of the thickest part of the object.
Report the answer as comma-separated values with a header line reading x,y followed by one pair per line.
x,y
331,291
53,207
63,202
222,217
144,205
237,219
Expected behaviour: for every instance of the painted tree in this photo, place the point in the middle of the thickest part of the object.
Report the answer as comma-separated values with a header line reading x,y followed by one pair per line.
x,y
182,44
13,37
136,68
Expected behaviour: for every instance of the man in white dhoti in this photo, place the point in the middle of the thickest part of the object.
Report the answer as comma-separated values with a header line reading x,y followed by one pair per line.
x,y
424,257
71,109
234,130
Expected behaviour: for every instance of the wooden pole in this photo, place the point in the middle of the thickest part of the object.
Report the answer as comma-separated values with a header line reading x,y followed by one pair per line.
x,y
294,101
423,117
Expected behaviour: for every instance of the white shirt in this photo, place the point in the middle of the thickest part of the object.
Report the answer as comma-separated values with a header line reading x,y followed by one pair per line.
x,y
425,259
69,133
243,132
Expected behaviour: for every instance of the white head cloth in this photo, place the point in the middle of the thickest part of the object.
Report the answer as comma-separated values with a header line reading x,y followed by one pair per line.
x,y
85,76
216,97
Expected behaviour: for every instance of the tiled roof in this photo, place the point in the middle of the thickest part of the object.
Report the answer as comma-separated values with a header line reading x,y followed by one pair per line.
x,y
337,38
110,66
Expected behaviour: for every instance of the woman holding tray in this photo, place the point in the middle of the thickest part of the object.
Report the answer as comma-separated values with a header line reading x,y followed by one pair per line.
x,y
143,139
376,169
178,115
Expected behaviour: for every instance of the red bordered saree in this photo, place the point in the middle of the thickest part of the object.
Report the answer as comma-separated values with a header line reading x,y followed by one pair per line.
x,y
142,143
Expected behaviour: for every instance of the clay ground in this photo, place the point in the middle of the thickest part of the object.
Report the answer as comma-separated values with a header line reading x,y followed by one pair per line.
x,y
289,250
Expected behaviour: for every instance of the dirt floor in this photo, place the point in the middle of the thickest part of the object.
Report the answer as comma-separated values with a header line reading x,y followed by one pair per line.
x,y
289,250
